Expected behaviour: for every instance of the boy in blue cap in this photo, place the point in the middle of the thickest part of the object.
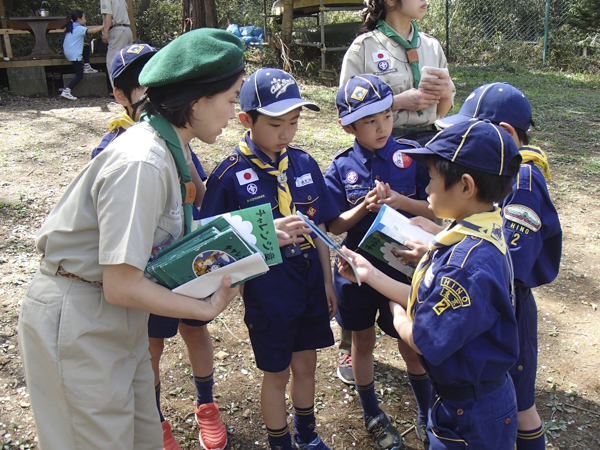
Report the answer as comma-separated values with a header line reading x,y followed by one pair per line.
x,y
533,234
287,309
459,314
373,172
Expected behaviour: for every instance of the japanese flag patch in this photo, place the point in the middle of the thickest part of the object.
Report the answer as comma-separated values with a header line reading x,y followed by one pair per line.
x,y
246,176
380,55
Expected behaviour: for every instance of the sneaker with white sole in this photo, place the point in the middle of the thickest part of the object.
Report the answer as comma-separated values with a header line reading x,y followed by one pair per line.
x,y
212,435
344,370
66,93
315,444
384,435
89,70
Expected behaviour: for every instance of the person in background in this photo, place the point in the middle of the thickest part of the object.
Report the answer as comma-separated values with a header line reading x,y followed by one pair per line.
x,y
76,50
116,31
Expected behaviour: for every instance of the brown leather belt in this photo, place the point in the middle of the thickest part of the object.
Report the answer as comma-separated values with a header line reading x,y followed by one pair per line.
x,y
63,273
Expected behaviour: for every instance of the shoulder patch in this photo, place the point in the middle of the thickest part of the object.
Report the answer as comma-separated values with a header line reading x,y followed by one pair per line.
x,y
523,216
453,296
341,152
407,143
224,165
295,147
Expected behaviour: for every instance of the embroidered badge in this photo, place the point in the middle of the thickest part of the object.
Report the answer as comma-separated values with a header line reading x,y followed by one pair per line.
x,y
311,211
523,216
246,176
252,189
453,296
135,49
383,65
351,177
380,55
282,178
304,180
279,86
359,93
497,232
401,160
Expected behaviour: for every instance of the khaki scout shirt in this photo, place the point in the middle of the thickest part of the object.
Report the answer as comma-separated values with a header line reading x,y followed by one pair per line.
x,y
117,9
375,53
124,202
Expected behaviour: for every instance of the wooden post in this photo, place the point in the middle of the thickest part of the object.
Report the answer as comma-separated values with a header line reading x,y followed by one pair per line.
x,y
3,23
131,19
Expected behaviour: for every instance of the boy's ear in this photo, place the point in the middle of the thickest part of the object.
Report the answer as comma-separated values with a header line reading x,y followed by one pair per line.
x,y
510,130
245,119
468,187
347,128
120,97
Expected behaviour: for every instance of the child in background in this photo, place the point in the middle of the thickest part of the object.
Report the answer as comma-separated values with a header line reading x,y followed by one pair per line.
x,y
459,314
76,51
373,172
287,309
533,234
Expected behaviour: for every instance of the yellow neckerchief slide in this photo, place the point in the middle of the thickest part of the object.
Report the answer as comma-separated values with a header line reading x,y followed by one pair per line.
x,y
539,158
487,226
284,197
123,121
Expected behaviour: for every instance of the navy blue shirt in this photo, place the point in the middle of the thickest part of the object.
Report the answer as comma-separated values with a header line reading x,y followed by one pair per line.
x,y
464,322
532,229
353,172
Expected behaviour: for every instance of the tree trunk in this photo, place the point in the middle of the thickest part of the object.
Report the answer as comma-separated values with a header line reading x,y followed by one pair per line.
x,y
286,22
144,5
199,14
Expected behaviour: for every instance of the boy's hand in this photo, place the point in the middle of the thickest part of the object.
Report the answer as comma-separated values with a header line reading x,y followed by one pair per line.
x,y
362,265
221,298
392,198
426,224
332,300
290,229
371,199
416,252
379,192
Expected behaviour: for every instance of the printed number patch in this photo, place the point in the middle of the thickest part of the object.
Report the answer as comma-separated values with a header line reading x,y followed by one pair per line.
x,y
453,295
523,215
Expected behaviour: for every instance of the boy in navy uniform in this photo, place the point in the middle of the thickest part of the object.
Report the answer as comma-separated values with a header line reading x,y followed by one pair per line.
x,y
373,172
533,234
125,70
459,312
287,310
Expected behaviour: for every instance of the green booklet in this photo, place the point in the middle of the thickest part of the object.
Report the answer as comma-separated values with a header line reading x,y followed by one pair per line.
x,y
195,264
256,225
387,234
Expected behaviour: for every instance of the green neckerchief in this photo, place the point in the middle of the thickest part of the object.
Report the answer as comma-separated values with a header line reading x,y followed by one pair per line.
x,y
410,47
487,226
168,133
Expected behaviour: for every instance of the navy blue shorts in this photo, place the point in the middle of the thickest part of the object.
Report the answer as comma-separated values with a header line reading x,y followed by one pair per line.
x,y
489,423
524,371
162,327
358,305
286,311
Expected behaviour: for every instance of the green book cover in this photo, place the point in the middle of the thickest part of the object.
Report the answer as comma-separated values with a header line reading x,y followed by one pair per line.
x,y
256,225
387,234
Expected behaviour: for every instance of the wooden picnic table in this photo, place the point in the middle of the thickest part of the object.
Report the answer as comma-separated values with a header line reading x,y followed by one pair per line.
x,y
38,26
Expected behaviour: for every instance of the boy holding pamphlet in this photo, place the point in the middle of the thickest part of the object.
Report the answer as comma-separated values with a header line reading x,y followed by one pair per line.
x,y
371,173
288,309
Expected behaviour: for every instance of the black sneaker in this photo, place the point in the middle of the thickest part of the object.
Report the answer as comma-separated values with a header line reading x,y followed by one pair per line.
x,y
421,432
344,370
384,435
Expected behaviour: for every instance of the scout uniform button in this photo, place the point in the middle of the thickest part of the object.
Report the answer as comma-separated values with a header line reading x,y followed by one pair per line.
x,y
377,177
520,368
460,412
352,197
250,326
507,421
309,198
402,192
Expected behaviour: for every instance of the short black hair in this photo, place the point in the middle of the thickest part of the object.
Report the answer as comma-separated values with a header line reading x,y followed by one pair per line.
x,y
175,101
522,135
490,188
128,80
254,114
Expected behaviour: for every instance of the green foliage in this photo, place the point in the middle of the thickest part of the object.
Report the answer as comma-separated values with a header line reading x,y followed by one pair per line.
x,y
240,12
585,16
160,24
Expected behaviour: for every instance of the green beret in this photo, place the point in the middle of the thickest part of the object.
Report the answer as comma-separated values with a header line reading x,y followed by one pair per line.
x,y
203,55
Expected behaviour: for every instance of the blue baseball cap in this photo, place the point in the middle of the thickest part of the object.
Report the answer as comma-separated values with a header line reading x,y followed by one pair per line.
x,y
497,102
272,92
362,96
129,54
477,144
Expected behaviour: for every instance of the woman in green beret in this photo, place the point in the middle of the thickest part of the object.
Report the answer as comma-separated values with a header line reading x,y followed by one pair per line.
x,y
83,322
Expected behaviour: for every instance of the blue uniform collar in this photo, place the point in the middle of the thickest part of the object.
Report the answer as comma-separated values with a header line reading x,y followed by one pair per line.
x,y
384,153
257,151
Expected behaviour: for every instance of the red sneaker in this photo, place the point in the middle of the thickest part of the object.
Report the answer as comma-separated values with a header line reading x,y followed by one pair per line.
x,y
169,442
213,435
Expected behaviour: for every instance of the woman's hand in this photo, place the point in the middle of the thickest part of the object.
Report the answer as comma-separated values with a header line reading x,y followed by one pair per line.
x,y
438,86
290,229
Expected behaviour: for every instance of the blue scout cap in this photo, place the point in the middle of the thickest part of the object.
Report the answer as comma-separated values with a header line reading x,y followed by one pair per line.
x,y
204,55
272,92
129,54
477,144
498,102
361,96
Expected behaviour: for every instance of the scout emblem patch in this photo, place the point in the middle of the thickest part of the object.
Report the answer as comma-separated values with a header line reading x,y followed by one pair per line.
x,y
383,65
252,189
523,216
351,177
359,93
311,211
453,295
401,160
246,176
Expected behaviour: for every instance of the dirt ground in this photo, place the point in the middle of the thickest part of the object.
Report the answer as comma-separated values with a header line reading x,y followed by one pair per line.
x,y
44,143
